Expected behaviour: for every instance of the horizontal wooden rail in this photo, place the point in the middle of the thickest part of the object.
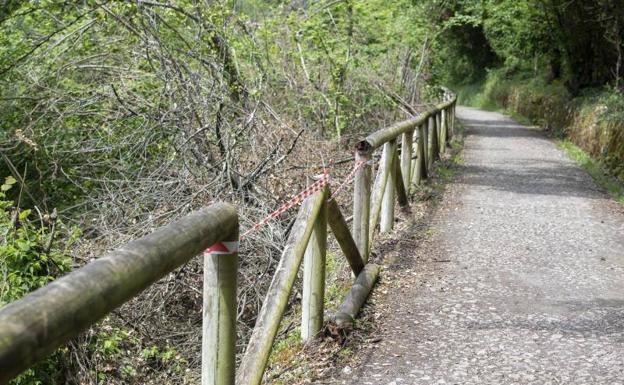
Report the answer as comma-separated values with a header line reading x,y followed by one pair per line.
x,y
424,139
378,138
35,325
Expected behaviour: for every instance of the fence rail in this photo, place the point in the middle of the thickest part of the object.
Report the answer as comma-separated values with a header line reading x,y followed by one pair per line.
x,y
37,324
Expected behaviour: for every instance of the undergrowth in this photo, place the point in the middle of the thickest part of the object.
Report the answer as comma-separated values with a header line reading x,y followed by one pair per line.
x,y
593,168
291,359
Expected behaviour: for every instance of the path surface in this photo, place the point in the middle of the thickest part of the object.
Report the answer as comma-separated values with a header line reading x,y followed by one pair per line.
x,y
527,286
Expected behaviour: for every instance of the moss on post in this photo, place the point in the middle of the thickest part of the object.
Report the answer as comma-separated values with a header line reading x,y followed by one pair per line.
x,y
361,199
314,278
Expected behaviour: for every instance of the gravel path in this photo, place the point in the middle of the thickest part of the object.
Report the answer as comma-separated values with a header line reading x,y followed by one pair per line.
x,y
522,282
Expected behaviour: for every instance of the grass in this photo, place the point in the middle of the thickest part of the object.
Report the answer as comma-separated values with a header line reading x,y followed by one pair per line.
x,y
289,363
475,95
593,168
286,352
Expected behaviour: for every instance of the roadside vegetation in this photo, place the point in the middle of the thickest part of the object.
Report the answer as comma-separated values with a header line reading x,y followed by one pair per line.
x,y
120,116
556,64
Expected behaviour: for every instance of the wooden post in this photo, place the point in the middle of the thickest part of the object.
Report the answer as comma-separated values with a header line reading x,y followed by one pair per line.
x,y
438,116
361,199
453,116
421,157
426,126
450,125
443,131
439,127
414,182
387,207
406,158
219,313
450,116
383,174
447,125
434,151
341,233
399,188
261,341
314,278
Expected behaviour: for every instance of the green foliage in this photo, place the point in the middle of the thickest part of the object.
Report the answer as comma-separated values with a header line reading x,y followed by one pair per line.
x,y
125,114
336,287
594,121
580,43
614,187
534,98
31,255
119,98
597,126
124,358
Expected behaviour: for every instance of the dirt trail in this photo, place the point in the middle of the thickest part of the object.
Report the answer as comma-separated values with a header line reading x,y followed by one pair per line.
x,y
520,279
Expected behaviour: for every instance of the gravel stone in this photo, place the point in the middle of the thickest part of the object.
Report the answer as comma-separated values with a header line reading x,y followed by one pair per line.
x,y
530,288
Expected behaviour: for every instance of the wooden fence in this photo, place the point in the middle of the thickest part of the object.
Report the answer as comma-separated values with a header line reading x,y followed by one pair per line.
x,y
40,322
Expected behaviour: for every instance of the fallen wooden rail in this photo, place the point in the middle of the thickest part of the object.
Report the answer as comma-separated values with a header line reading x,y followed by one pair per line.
x,y
35,325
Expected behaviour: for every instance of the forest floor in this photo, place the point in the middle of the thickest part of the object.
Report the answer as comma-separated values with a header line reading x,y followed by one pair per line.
x,y
515,277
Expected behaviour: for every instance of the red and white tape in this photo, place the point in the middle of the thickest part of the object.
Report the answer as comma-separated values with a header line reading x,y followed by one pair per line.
x,y
349,178
229,247
295,200
222,248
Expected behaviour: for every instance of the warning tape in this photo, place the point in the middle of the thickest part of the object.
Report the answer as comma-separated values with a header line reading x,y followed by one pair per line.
x,y
232,247
296,199
222,248
348,179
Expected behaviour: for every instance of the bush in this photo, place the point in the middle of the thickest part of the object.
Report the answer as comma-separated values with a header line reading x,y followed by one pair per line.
x,y
32,253
597,126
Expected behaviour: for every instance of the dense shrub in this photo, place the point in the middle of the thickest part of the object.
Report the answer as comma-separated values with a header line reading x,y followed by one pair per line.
x,y
33,251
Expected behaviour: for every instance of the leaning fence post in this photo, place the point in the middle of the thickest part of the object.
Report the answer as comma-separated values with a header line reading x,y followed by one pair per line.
x,y
314,278
439,141
453,115
361,198
421,155
451,119
219,313
448,126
